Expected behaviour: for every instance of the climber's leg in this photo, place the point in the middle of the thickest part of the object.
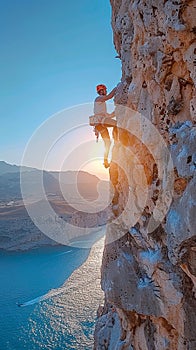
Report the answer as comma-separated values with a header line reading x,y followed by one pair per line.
x,y
107,149
106,138
115,133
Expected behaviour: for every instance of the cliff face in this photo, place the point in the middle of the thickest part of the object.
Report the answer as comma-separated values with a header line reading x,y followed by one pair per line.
x,y
149,261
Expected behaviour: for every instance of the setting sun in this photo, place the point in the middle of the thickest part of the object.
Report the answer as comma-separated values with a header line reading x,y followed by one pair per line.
x,y
96,167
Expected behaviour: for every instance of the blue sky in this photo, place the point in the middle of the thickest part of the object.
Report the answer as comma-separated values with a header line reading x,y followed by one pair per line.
x,y
53,53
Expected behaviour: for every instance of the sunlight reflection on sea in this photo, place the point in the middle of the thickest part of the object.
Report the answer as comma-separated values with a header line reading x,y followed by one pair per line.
x,y
66,321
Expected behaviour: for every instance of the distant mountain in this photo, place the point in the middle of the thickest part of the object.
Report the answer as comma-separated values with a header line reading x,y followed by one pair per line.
x,y
71,177
54,182
9,168
17,231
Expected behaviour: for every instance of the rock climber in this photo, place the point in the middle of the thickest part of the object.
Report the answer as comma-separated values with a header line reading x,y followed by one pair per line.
x,y
100,110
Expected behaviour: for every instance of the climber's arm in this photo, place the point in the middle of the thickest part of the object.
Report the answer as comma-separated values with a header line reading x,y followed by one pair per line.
x,y
112,115
106,97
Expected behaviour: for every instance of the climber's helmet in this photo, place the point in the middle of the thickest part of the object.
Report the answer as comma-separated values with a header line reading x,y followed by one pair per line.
x,y
101,87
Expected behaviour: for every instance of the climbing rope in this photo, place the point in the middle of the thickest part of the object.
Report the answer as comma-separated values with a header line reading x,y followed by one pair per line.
x,y
96,133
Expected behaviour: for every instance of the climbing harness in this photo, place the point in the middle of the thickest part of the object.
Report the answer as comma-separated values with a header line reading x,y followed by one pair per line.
x,y
97,120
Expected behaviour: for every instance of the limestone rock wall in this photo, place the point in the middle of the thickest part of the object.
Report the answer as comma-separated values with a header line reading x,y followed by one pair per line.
x,y
149,261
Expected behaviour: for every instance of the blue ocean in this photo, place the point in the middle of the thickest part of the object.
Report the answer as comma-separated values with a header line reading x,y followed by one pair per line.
x,y
49,297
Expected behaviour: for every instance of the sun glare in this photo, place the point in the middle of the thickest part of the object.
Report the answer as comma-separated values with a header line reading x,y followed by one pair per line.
x,y
96,167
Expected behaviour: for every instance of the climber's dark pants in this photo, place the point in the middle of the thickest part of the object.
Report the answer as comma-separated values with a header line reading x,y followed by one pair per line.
x,y
106,138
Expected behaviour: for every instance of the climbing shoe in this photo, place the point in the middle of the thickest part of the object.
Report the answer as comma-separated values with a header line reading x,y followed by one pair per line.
x,y
106,164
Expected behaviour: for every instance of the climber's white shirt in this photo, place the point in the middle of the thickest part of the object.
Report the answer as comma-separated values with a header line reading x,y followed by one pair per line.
x,y
100,109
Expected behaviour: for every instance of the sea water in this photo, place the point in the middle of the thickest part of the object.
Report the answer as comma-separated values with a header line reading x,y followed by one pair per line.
x,y
46,300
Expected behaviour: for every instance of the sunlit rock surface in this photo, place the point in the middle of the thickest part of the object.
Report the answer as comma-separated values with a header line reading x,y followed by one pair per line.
x,y
149,260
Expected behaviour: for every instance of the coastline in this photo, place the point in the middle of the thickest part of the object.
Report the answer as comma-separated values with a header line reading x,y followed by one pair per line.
x,y
77,300
56,287
45,241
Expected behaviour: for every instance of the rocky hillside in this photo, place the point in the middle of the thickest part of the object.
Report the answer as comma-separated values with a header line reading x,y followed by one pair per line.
x,y
149,261
68,202
55,183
